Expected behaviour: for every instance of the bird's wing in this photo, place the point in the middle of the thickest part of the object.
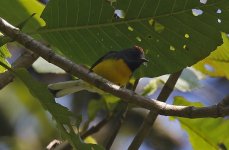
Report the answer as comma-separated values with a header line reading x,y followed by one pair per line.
x,y
107,55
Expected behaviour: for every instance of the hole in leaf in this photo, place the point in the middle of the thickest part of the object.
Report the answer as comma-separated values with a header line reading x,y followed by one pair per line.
x,y
186,35
219,20
151,22
185,47
219,11
197,12
158,27
119,14
172,48
130,28
209,68
138,39
203,1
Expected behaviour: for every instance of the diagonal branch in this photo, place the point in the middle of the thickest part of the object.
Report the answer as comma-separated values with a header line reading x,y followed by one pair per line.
x,y
103,84
152,116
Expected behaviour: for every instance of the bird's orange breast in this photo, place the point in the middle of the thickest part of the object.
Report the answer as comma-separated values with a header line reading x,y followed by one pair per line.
x,y
114,70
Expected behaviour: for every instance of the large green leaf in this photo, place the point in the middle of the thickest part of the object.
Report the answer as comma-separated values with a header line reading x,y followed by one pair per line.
x,y
216,64
172,32
207,133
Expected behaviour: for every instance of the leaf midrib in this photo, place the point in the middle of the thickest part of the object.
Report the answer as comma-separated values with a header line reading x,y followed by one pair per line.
x,y
47,30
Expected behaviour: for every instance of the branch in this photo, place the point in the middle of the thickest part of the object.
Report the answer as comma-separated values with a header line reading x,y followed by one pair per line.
x,y
25,60
105,85
119,117
152,115
117,120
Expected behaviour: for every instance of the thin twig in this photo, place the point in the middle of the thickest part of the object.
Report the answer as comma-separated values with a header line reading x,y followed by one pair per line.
x,y
118,119
151,117
105,85
119,116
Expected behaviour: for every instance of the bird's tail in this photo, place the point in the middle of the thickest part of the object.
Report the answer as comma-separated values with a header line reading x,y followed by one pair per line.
x,y
68,87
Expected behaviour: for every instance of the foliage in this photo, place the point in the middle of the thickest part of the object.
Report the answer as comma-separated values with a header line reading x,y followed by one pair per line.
x,y
171,33
15,11
24,9
4,53
174,34
217,63
59,113
207,133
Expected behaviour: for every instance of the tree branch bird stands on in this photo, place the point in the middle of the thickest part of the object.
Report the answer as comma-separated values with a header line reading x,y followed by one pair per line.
x,y
115,66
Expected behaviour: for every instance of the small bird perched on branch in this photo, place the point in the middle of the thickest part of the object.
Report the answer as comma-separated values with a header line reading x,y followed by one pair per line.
x,y
115,66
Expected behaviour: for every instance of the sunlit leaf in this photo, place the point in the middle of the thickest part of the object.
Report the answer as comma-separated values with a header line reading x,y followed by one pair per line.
x,y
4,53
207,133
217,63
15,11
91,140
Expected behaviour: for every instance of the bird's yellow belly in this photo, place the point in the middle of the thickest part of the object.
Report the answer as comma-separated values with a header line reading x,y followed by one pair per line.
x,y
114,70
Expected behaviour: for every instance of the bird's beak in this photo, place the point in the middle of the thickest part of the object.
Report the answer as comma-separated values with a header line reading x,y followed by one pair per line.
x,y
144,60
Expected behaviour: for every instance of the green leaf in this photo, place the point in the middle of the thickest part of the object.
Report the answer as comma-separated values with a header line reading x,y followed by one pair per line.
x,y
24,22
171,35
15,11
110,101
207,133
4,53
59,113
217,63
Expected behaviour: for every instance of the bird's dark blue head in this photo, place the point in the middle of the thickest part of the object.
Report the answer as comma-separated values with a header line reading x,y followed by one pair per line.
x,y
133,57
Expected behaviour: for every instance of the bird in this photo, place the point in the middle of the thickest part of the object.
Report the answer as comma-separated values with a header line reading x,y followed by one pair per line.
x,y
115,66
